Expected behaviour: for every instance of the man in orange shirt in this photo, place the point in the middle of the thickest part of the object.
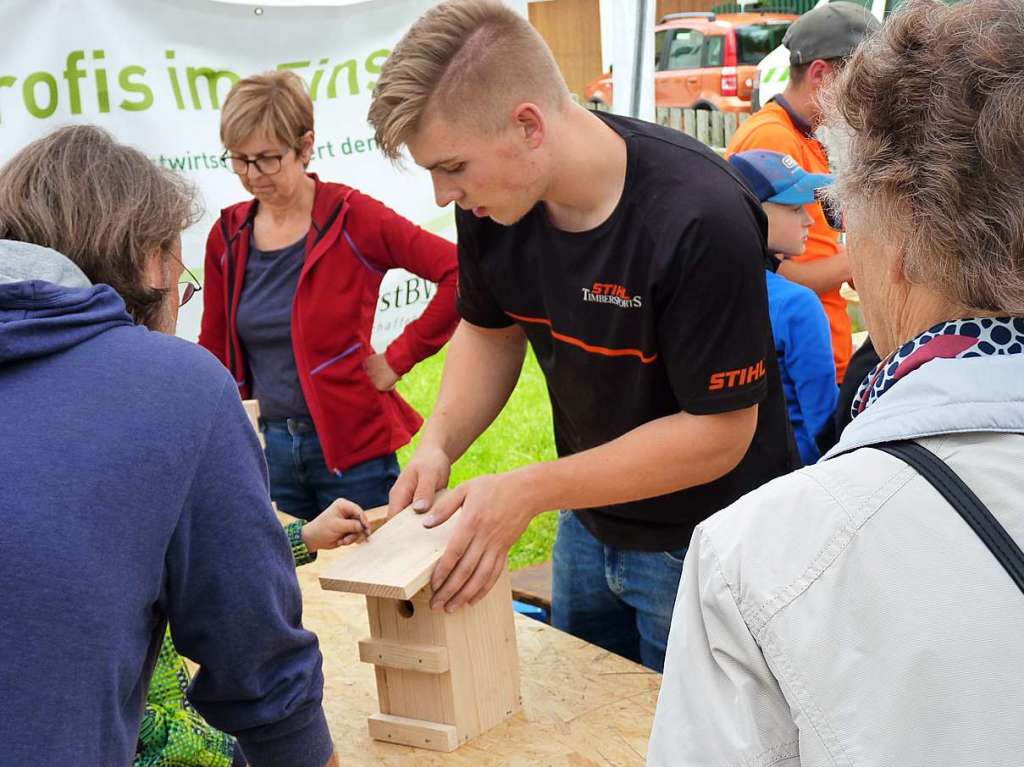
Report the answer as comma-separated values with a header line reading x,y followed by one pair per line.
x,y
819,42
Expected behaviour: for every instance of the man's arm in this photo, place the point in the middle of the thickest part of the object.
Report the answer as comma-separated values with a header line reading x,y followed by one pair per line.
x,y
237,610
822,275
659,457
480,372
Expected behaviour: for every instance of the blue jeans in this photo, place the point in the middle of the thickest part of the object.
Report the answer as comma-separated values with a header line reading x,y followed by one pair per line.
x,y
303,486
618,599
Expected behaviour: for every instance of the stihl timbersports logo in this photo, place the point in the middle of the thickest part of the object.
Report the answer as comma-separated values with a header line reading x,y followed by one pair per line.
x,y
610,293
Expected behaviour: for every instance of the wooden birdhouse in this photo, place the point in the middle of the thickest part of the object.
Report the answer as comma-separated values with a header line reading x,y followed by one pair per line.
x,y
442,679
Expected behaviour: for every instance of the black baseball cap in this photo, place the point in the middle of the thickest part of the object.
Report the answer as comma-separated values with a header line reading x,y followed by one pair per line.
x,y
830,31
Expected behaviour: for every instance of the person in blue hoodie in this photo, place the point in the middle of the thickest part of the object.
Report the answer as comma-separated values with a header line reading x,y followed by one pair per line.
x,y
799,325
132,487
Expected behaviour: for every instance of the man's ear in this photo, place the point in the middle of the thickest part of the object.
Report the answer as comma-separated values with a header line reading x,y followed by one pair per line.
x,y
157,271
530,124
896,263
819,73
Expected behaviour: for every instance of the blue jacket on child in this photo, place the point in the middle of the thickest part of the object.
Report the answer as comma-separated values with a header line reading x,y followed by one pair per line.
x,y
804,347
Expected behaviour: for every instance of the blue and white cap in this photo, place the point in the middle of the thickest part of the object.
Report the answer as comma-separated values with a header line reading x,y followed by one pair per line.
x,y
778,178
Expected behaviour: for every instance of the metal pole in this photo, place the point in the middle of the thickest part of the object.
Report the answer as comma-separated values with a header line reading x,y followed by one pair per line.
x,y
638,68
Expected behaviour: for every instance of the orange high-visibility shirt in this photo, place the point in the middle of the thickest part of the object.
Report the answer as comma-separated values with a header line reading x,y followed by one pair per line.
x,y
774,129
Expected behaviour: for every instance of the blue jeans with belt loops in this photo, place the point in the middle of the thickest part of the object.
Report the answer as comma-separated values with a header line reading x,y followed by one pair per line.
x,y
615,598
302,485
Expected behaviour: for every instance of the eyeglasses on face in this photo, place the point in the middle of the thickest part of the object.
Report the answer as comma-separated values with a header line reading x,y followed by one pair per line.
x,y
267,164
187,288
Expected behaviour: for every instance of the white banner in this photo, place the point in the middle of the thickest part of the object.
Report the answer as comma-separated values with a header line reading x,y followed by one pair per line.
x,y
154,73
632,23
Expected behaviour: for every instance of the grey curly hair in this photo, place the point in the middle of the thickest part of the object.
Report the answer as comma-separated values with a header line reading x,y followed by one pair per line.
x,y
930,115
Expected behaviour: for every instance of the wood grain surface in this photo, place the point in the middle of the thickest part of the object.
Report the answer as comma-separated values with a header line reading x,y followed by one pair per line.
x,y
396,562
582,706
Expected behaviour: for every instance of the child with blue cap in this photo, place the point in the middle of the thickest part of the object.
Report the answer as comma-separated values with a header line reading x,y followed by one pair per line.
x,y
801,330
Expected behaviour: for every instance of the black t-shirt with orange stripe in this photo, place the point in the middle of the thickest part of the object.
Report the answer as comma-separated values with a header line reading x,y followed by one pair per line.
x,y
662,308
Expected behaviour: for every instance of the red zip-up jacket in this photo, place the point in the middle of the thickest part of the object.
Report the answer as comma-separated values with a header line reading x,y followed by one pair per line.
x,y
353,241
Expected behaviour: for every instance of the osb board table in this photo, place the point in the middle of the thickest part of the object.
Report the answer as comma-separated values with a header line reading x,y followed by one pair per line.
x,y
582,706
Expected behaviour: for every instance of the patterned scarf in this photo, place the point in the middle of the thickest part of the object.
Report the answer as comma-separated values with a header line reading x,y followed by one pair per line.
x,y
978,337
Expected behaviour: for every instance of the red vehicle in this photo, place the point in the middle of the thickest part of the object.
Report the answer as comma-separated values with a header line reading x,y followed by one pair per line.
x,y
704,61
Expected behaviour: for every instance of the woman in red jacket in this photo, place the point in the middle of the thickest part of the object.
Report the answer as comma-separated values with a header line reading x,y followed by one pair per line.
x,y
291,286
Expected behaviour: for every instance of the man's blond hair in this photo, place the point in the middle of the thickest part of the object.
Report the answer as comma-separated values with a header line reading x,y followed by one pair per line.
x,y
471,61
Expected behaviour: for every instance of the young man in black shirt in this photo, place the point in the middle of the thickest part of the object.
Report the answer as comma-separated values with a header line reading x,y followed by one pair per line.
x,y
630,257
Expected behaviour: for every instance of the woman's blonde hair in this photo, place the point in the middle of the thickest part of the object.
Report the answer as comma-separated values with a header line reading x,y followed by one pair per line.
x,y
272,104
471,60
103,205
930,115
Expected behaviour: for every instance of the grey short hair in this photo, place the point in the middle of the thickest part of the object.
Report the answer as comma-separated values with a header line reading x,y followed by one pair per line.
x,y
931,114
103,205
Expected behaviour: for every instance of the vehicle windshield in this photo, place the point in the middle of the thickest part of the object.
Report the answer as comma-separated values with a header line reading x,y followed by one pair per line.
x,y
756,41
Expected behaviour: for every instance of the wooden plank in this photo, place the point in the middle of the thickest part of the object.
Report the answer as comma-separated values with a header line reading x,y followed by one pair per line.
x,y
703,126
676,118
377,516
380,672
396,562
674,6
252,409
532,585
582,705
425,658
413,732
731,123
572,30
410,693
717,129
661,115
485,662
690,122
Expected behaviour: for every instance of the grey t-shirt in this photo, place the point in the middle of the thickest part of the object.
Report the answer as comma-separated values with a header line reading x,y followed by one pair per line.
x,y
265,329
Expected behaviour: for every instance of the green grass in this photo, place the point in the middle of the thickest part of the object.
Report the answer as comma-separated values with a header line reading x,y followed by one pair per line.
x,y
520,435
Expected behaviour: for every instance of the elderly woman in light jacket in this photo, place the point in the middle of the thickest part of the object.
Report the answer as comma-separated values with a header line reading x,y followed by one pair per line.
x,y
846,614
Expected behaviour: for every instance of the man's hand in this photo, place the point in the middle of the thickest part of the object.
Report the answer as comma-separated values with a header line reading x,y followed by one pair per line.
x,y
494,514
380,373
425,474
340,524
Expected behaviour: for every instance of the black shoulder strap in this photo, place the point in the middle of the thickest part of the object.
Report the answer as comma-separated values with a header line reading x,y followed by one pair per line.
x,y
967,504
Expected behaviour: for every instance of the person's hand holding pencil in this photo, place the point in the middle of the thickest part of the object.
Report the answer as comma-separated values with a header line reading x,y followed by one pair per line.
x,y
340,524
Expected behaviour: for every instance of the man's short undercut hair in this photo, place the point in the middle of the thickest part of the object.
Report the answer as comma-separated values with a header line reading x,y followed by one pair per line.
x,y
471,61
798,72
930,117
273,104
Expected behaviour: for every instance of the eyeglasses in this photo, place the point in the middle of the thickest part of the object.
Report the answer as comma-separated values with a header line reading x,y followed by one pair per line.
x,y
833,213
187,289
267,164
